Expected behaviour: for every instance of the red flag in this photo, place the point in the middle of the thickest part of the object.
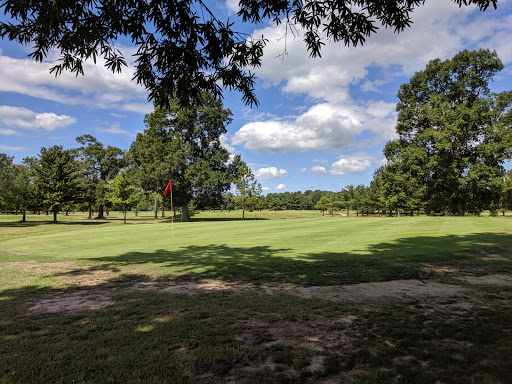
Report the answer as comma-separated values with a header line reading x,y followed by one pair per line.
x,y
168,188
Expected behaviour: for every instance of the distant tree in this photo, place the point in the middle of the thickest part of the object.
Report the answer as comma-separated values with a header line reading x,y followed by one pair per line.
x,y
247,187
228,201
347,198
22,189
456,130
376,192
6,177
506,194
56,177
98,164
184,145
323,204
123,194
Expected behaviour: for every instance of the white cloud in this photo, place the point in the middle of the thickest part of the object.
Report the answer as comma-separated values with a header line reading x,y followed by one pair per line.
x,y
10,132
440,29
281,187
270,173
13,148
114,129
344,166
98,89
224,142
303,170
319,170
266,189
323,126
26,119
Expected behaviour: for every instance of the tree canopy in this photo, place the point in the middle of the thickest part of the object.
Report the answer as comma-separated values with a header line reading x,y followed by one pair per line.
x,y
183,47
454,134
184,145
55,177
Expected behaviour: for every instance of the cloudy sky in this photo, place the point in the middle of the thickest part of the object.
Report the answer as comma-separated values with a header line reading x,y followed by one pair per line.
x,y
322,123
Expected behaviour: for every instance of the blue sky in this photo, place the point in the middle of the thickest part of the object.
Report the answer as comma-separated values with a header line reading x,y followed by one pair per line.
x,y
321,124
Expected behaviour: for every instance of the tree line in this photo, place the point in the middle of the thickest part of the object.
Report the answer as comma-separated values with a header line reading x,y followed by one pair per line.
x,y
181,144
454,137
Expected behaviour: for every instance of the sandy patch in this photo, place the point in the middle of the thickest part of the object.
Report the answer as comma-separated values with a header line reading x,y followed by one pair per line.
x,y
388,290
72,302
498,279
396,290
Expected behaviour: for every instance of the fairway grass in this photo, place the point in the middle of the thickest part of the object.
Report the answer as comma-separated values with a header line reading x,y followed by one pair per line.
x,y
133,335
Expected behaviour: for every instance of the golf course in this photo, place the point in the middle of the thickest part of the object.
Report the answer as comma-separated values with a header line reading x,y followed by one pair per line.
x,y
280,297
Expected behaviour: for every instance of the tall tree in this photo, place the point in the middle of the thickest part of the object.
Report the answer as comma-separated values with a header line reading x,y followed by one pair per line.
x,y
6,177
56,177
183,47
98,164
123,194
184,145
456,130
247,187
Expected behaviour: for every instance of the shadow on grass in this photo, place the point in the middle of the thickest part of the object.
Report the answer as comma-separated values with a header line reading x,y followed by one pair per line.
x,y
213,337
219,337
406,258
28,224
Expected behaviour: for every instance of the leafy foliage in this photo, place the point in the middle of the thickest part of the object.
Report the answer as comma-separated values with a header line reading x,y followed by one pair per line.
x,y
184,145
123,194
183,48
55,177
454,135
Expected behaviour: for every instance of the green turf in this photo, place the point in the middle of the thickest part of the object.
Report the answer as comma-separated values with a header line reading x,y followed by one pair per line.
x,y
309,251
233,336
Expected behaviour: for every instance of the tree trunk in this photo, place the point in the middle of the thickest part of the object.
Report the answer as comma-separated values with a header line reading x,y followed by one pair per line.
x,y
107,211
460,209
24,219
156,209
136,212
243,212
90,211
185,217
124,216
398,212
163,210
100,212
55,215
348,212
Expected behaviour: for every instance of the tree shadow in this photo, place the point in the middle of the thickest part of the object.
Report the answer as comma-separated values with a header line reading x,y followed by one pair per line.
x,y
28,224
405,258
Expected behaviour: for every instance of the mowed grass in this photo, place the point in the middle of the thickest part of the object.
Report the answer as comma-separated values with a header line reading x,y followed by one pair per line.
x,y
248,337
308,251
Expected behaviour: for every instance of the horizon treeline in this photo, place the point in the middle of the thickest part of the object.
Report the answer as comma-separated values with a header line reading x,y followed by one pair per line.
x,y
453,138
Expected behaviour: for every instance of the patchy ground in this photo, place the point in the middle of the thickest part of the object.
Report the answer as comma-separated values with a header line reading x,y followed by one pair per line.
x,y
368,293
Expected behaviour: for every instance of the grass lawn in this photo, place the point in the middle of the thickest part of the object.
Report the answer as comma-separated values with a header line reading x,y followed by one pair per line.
x,y
226,300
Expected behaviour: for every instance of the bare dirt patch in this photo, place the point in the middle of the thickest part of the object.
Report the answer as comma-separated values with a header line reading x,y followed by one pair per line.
x,y
72,302
498,279
388,290
88,277
368,293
